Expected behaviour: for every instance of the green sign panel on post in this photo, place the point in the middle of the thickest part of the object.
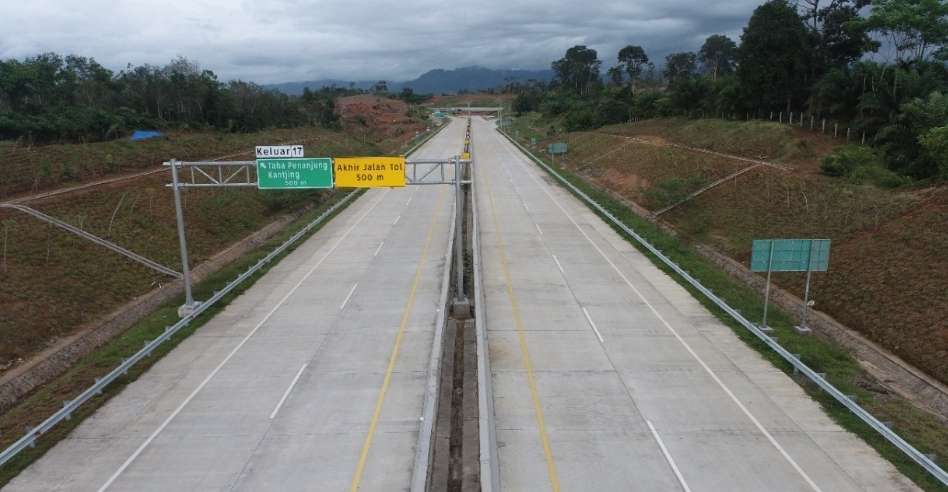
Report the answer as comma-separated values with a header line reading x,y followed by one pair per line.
x,y
288,174
556,148
790,255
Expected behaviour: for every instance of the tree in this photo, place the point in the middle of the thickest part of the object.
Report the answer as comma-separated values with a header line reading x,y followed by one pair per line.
x,y
380,87
900,140
718,55
633,58
772,57
615,75
915,27
836,33
578,69
680,66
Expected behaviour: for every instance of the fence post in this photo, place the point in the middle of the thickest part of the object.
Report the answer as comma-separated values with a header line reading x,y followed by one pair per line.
x,y
836,130
847,134
823,129
864,137
771,116
780,118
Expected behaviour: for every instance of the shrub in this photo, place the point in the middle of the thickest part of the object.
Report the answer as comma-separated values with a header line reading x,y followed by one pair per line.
x,y
877,175
935,146
844,160
861,165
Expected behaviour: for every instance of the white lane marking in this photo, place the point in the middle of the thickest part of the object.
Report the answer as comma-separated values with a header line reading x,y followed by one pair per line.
x,y
593,325
525,207
286,393
558,264
378,249
349,296
668,457
217,369
396,220
538,228
707,369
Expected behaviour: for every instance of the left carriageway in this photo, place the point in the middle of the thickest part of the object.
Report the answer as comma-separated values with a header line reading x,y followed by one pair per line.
x,y
312,379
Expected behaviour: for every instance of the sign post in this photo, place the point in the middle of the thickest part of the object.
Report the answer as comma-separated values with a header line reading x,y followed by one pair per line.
x,y
770,264
790,255
556,148
189,303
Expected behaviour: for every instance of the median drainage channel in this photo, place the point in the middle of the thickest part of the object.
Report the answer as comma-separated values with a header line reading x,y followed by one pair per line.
x,y
455,462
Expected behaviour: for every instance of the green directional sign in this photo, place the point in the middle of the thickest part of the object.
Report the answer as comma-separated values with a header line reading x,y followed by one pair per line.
x,y
790,255
556,148
288,174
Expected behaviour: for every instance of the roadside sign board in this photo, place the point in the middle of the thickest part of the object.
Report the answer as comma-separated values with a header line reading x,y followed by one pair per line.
x,y
466,156
287,174
790,255
369,172
278,151
556,148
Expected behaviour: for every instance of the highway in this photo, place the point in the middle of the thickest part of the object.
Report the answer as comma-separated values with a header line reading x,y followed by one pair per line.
x,y
313,379
608,375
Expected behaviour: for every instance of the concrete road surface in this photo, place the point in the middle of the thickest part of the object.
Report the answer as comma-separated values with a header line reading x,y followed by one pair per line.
x,y
313,379
608,376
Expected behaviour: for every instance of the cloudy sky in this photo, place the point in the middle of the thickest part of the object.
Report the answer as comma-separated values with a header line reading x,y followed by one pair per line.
x,y
291,40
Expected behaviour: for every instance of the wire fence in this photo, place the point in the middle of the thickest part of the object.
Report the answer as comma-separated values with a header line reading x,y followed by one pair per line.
x,y
816,123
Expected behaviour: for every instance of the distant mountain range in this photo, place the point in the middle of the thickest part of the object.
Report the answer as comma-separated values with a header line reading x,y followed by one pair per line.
x,y
436,81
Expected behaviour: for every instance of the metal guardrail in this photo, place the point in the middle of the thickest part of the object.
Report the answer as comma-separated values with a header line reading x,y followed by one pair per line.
x,y
92,237
918,457
70,406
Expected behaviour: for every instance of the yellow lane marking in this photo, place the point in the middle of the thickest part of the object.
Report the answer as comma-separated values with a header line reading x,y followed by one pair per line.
x,y
406,315
524,352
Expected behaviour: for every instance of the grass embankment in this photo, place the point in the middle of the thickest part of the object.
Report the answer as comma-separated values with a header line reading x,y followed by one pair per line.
x,y
924,430
48,399
800,148
888,273
51,281
29,169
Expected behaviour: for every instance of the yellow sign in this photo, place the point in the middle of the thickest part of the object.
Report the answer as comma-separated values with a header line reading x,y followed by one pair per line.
x,y
466,156
369,172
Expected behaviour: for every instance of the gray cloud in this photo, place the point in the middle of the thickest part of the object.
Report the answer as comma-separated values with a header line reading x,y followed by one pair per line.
x,y
286,40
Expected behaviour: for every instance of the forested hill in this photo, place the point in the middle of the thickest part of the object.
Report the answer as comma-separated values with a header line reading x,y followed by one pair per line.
x,y
432,82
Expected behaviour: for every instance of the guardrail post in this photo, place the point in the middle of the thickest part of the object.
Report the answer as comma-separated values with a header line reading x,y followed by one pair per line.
x,y
182,242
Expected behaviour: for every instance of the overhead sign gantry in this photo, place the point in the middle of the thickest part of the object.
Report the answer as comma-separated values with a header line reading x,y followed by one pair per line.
x,y
283,167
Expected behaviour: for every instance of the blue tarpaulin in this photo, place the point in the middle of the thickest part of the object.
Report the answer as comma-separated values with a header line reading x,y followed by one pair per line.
x,y
145,135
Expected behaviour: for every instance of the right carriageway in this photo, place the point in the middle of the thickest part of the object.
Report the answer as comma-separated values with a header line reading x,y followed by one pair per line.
x,y
608,375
